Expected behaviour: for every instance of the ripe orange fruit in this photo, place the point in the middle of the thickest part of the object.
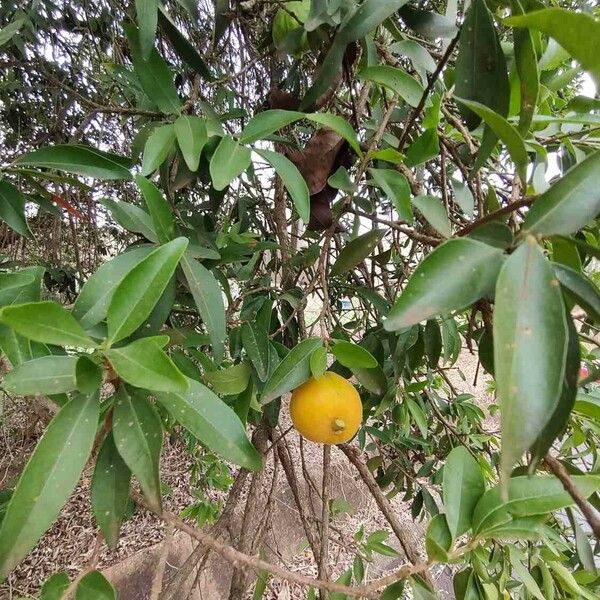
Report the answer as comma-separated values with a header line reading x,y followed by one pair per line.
x,y
326,410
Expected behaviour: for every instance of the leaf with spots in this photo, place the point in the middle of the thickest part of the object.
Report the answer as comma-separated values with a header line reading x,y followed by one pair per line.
x,y
452,277
45,375
530,344
138,436
214,423
110,490
48,479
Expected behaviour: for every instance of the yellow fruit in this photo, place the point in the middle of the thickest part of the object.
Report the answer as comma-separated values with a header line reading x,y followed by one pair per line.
x,y
327,410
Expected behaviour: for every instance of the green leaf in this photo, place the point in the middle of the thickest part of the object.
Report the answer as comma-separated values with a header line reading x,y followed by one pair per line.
x,y
340,126
268,122
158,146
229,160
356,251
527,497
463,197
138,436
209,301
494,234
527,69
131,217
523,573
352,356
153,74
222,20
46,375
452,277
318,362
12,209
395,591
423,148
292,179
438,539
396,188
186,51
192,135
147,19
94,586
10,30
430,25
144,364
14,289
530,343
88,375
505,131
110,490
432,339
292,371
340,180
369,15
46,322
256,343
568,204
462,488
230,381
433,210
576,32
583,289
48,479
420,591
214,423
527,528
80,160
480,73
139,291
55,586
418,415
397,80
159,209
92,302
374,380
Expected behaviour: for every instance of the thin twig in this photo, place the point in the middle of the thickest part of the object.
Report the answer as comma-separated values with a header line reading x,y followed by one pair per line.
x,y
157,582
323,570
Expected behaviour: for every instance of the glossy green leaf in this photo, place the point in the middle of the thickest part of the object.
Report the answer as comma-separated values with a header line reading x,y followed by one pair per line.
x,y
256,344
191,135
527,69
463,196
423,148
420,591
158,146
153,74
581,287
267,122
452,277
576,32
46,322
88,374
230,381
480,73
147,19
292,371
367,17
139,291
494,234
430,25
340,126
214,423
15,280
530,344
438,539
432,339
131,217
395,591
527,497
55,586
79,160
110,490
12,209
144,364
229,160
46,375
400,82
373,379
340,180
21,286
222,19
92,302
292,179
352,356
356,251
159,209
433,210
318,362
208,298
396,188
523,573
15,347
48,479
504,130
138,436
462,488
568,204
94,586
